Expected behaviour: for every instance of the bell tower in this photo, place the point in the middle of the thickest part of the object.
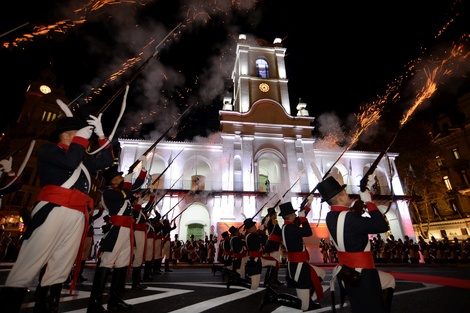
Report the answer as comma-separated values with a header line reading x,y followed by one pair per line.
x,y
259,73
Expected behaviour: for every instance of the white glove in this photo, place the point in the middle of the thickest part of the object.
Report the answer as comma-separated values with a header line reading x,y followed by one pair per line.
x,y
143,160
96,123
128,178
370,183
140,200
310,199
365,196
85,132
302,213
6,165
261,227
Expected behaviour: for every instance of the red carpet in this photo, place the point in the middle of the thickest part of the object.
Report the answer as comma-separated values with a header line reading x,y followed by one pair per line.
x,y
437,280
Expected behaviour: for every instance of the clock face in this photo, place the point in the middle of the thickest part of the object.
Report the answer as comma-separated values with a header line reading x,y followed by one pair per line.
x,y
45,89
264,87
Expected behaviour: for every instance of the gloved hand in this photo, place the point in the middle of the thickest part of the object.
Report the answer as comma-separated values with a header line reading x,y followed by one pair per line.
x,y
261,227
370,183
365,196
140,200
128,178
85,132
302,213
5,165
96,123
310,199
143,160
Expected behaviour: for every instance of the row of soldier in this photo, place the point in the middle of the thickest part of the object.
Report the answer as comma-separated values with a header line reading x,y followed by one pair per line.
x,y
245,253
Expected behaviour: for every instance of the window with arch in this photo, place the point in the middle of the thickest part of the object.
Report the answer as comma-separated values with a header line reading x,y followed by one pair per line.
x,y
262,68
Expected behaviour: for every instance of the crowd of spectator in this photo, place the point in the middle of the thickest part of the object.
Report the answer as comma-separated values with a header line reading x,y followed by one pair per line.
x,y
391,250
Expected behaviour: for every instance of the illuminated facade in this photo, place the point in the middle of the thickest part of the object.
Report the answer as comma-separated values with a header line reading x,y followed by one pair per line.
x,y
209,186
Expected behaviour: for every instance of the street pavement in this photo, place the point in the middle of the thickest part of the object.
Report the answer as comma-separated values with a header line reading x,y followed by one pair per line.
x,y
196,288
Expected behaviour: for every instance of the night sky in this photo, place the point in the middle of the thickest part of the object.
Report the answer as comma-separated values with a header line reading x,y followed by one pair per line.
x,y
340,55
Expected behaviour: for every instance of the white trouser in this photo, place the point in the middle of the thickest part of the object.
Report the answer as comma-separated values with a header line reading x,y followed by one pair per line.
x,y
149,252
386,280
55,243
121,254
139,237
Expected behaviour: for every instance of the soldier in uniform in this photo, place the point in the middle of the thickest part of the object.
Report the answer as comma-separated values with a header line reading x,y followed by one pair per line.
x,y
166,243
117,244
59,217
301,274
140,241
373,292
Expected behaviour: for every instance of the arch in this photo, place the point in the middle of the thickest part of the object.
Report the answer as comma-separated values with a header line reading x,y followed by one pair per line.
x,y
196,165
270,167
195,213
262,68
157,166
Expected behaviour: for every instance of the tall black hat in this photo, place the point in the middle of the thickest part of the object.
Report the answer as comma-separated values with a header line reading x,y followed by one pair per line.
x,y
286,209
329,188
248,223
110,173
65,124
225,234
271,211
233,230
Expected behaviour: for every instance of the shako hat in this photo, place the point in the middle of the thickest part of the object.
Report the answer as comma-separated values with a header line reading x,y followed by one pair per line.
x,y
225,234
271,211
65,124
233,230
248,223
110,173
329,188
286,209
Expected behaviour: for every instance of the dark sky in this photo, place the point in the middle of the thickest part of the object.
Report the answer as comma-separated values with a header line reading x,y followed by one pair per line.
x,y
340,55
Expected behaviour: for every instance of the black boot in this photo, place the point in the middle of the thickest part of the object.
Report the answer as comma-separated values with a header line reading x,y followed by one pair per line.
x,y
167,266
136,285
388,298
148,271
270,278
238,281
156,267
11,298
118,285
285,299
40,299
54,298
99,283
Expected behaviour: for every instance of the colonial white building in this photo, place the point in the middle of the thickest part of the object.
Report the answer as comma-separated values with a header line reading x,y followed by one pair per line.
x,y
208,186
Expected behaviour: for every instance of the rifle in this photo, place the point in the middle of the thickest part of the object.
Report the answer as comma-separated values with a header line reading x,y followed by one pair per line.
x,y
166,191
278,201
171,162
137,162
365,179
177,204
137,72
181,212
